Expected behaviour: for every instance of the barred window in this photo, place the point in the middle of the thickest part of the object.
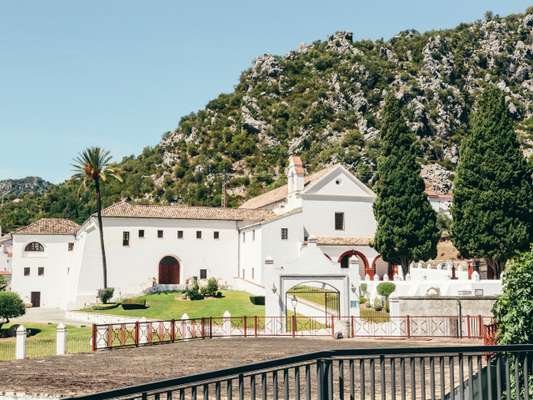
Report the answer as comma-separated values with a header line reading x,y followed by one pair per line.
x,y
34,246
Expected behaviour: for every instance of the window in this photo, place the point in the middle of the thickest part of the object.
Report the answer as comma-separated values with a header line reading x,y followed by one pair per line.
x,y
244,237
284,233
180,234
141,233
70,246
203,274
159,234
216,235
34,246
26,271
198,234
125,238
339,221
40,271
253,235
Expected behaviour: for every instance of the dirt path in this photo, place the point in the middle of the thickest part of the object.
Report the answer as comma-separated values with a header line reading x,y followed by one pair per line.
x,y
93,372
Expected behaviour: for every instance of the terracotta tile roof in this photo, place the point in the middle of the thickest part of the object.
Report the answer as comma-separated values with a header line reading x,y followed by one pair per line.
x,y
298,164
279,194
50,226
342,241
124,209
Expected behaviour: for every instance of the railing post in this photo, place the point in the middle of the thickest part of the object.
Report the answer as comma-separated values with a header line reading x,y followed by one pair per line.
x,y
109,339
61,339
293,327
255,326
202,328
20,349
210,327
468,328
172,330
94,334
245,326
352,319
333,325
323,368
408,323
481,327
136,333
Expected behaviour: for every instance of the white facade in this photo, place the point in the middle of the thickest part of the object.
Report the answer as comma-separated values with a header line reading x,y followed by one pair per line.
x,y
307,230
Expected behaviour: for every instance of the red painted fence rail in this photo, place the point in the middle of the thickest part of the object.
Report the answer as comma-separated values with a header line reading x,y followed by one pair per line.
x,y
143,333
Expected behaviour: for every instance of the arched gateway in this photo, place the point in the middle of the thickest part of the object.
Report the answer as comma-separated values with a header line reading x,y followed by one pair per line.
x,y
169,271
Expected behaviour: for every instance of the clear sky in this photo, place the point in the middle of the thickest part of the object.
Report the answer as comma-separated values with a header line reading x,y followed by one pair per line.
x,y
119,73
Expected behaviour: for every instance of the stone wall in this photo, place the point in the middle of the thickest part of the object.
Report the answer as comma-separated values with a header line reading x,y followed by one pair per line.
x,y
441,305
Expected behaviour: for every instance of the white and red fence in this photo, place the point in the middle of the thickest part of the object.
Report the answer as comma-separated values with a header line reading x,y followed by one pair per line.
x,y
142,333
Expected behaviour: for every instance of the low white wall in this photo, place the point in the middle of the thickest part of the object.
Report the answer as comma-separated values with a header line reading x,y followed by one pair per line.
x,y
94,318
247,286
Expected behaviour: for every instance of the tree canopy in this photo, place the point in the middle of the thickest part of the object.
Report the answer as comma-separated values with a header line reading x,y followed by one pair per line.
x,y
493,194
407,225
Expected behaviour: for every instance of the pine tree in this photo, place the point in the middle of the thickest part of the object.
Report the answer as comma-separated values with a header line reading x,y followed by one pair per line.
x,y
407,225
493,194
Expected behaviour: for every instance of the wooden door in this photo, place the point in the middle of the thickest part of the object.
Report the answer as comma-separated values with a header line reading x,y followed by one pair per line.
x,y
36,299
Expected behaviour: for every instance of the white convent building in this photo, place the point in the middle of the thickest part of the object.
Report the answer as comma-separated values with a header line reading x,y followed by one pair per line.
x,y
317,227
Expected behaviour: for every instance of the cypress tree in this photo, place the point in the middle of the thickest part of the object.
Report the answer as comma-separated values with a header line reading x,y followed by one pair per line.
x,y
493,194
407,225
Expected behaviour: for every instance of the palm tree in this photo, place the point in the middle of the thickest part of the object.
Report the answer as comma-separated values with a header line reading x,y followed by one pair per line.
x,y
93,166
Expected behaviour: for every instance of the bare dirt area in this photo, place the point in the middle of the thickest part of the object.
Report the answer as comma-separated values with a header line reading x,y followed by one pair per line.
x,y
104,370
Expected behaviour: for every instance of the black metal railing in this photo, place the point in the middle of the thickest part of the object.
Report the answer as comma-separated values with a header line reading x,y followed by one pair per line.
x,y
455,373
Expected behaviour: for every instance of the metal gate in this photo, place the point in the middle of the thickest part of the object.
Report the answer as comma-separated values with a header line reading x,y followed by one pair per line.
x,y
316,295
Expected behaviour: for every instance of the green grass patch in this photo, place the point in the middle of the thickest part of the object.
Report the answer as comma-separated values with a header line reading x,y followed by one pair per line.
x,y
171,306
42,342
371,315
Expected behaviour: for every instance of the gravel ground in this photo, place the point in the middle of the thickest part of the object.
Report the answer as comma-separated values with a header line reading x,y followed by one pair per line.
x,y
94,372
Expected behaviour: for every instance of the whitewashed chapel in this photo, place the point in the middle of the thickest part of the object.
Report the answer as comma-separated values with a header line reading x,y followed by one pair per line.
x,y
318,227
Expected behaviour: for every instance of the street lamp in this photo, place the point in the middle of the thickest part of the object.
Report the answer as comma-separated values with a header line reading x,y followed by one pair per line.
x,y
294,302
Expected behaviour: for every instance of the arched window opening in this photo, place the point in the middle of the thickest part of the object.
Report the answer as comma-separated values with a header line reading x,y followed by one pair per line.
x,y
34,246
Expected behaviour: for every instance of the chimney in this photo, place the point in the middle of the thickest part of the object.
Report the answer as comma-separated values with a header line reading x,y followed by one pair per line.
x,y
295,176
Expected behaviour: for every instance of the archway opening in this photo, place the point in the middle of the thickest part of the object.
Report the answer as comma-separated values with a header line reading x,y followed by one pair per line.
x,y
344,260
313,298
381,267
169,271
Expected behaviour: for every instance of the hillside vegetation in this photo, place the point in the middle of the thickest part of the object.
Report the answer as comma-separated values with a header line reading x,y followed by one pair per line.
x,y
322,101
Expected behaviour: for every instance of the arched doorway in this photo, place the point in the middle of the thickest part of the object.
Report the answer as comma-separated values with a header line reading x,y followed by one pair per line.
x,y
364,268
169,271
313,298
381,267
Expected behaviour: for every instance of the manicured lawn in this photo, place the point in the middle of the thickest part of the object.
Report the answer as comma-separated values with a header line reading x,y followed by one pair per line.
x,y
315,295
372,315
170,306
42,342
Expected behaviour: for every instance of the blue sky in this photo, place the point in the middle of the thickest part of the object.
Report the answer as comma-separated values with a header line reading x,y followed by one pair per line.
x,y
120,73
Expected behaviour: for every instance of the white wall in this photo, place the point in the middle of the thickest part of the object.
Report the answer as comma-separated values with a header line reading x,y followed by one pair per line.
x,y
56,260
250,254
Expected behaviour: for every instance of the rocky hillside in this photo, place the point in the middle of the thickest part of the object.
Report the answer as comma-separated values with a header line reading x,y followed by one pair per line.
x,y
322,101
17,187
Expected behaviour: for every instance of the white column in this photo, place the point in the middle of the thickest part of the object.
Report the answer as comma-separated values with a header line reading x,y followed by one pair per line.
x,y
61,339
20,351
143,331
185,327
227,323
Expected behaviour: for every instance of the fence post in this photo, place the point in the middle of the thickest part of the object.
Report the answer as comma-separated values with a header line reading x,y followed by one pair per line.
x,y
255,326
202,328
93,341
481,327
468,328
185,327
333,326
136,334
353,325
20,351
61,340
210,327
408,323
293,328
227,323
323,367
245,325
143,331
173,330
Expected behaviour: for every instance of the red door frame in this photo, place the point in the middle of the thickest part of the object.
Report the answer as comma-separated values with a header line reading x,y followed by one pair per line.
x,y
350,253
169,274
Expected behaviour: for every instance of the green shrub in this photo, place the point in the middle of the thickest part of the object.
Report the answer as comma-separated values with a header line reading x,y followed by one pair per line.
x,y
362,299
134,303
192,294
105,294
378,304
363,288
212,287
385,289
257,300
11,306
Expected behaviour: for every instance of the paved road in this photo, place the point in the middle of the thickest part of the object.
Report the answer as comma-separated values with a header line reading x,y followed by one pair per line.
x,y
88,373
44,315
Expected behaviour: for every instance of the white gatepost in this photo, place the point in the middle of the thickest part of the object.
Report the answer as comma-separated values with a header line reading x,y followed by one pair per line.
x,y
185,327
61,340
20,351
227,323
